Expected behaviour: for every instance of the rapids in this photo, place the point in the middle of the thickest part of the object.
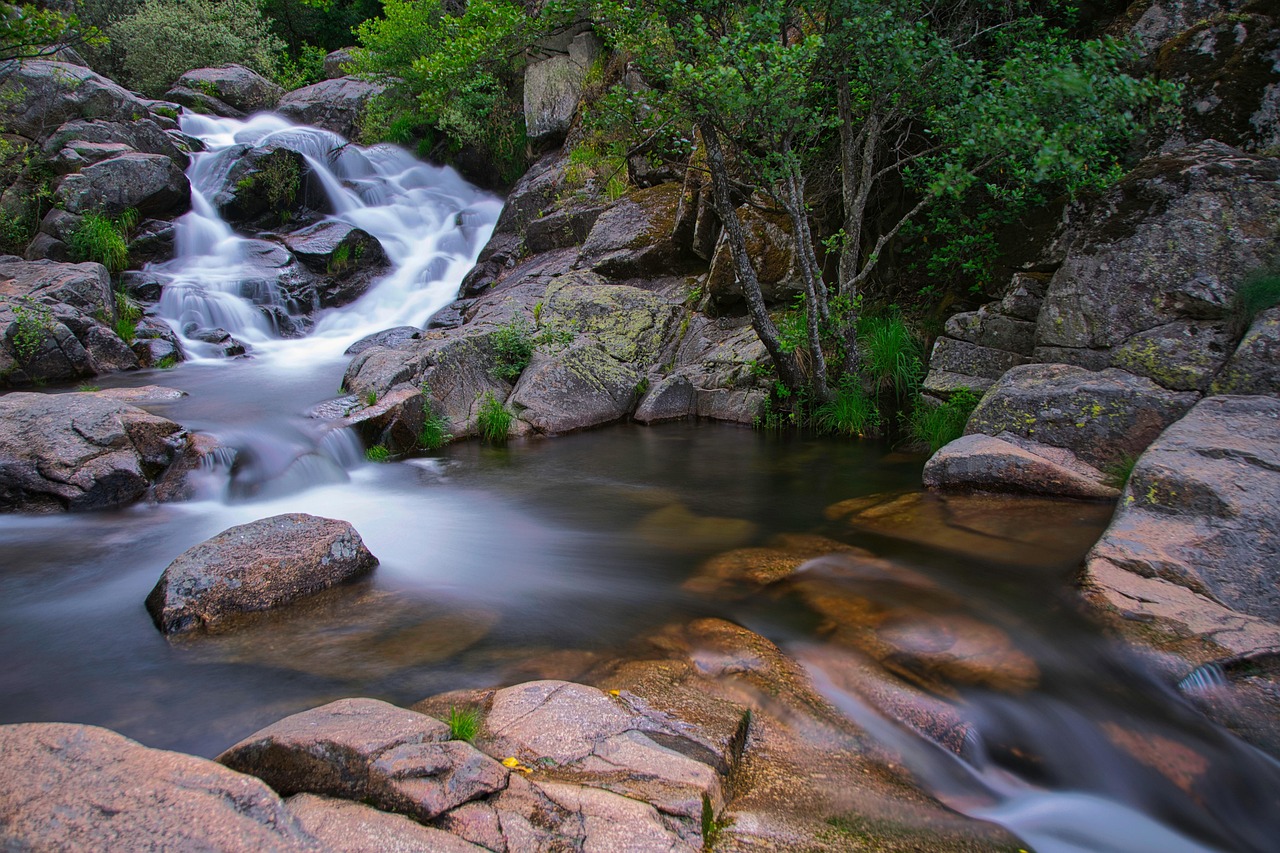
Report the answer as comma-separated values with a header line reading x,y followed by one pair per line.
x,y
502,565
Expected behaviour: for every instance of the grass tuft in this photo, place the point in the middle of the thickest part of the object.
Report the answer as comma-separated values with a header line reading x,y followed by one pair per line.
x,y
493,420
464,723
377,453
938,426
1255,295
850,412
513,347
891,355
104,239
1117,473
435,429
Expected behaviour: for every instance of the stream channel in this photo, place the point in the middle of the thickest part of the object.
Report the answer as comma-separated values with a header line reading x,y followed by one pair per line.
x,y
500,565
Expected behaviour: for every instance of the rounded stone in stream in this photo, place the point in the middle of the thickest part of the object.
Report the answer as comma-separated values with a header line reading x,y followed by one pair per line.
x,y
256,566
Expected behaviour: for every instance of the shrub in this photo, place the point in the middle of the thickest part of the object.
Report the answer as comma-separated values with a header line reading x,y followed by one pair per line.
x,y
493,420
464,723
104,239
33,323
891,355
1255,295
512,347
164,39
937,426
850,412
377,453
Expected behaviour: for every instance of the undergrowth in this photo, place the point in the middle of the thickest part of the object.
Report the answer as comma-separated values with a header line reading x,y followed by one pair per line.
x,y
493,420
104,239
938,426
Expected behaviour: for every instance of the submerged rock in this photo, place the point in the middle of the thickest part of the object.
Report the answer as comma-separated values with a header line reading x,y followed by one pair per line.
x,y
73,787
256,566
994,464
80,452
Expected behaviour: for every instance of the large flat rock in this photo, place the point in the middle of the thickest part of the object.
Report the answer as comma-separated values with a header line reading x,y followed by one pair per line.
x,y
73,787
256,566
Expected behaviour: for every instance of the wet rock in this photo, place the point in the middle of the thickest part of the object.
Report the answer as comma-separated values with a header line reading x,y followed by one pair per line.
x,y
335,105
394,420
450,316
356,828
256,566
986,463
155,344
1099,416
153,242
637,236
152,184
390,338
142,394
347,259
268,187
72,787
365,750
1199,508
220,342
553,82
1254,368
771,248
1155,251
757,567
80,451
238,87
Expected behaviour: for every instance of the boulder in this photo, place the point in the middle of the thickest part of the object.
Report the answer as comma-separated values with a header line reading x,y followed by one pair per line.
x,y
152,242
219,342
335,62
357,828
80,138
347,259
80,451
553,82
37,95
238,87
152,184
391,338
1254,368
198,101
1167,247
256,566
560,229
990,327
73,787
637,237
335,105
269,187
988,464
1199,509
771,247
366,750
1101,416
1184,355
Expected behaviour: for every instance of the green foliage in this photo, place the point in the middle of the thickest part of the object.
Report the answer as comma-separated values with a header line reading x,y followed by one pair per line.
x,y
377,453
891,355
1118,472
435,428
340,259
30,182
317,26
464,723
939,425
164,39
371,397
454,74
104,239
850,412
28,31
88,388
32,325
712,827
493,420
1255,295
513,346
128,313
277,177
168,362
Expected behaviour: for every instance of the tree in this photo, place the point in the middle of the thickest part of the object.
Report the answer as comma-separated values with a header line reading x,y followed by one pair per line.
x,y
971,99
31,32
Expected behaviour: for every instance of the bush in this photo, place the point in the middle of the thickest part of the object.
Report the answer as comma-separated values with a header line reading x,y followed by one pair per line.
x,y
937,426
164,39
850,412
513,347
493,420
891,355
1255,295
32,324
104,239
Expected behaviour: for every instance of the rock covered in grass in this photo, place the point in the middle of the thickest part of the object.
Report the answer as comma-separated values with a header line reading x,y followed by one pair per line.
x,y
256,566
73,787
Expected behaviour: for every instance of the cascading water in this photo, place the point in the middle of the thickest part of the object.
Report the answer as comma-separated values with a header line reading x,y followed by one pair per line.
x,y
430,222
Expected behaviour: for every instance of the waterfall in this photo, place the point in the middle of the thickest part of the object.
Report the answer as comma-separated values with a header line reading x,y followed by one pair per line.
x,y
431,223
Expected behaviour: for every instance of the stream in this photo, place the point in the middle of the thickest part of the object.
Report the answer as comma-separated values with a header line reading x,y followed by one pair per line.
x,y
500,565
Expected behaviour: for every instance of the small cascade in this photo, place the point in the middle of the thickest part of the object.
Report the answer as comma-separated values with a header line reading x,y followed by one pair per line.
x,y
431,223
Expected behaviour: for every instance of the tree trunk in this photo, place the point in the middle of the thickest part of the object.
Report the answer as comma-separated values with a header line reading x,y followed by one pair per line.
x,y
786,364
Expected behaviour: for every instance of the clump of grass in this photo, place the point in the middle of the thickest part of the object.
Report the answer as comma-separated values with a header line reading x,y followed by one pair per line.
x,y
104,239
1118,472
128,313
938,426
712,827
168,362
493,420
88,389
1255,295
849,412
377,453
891,355
435,430
464,723
512,348
370,398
